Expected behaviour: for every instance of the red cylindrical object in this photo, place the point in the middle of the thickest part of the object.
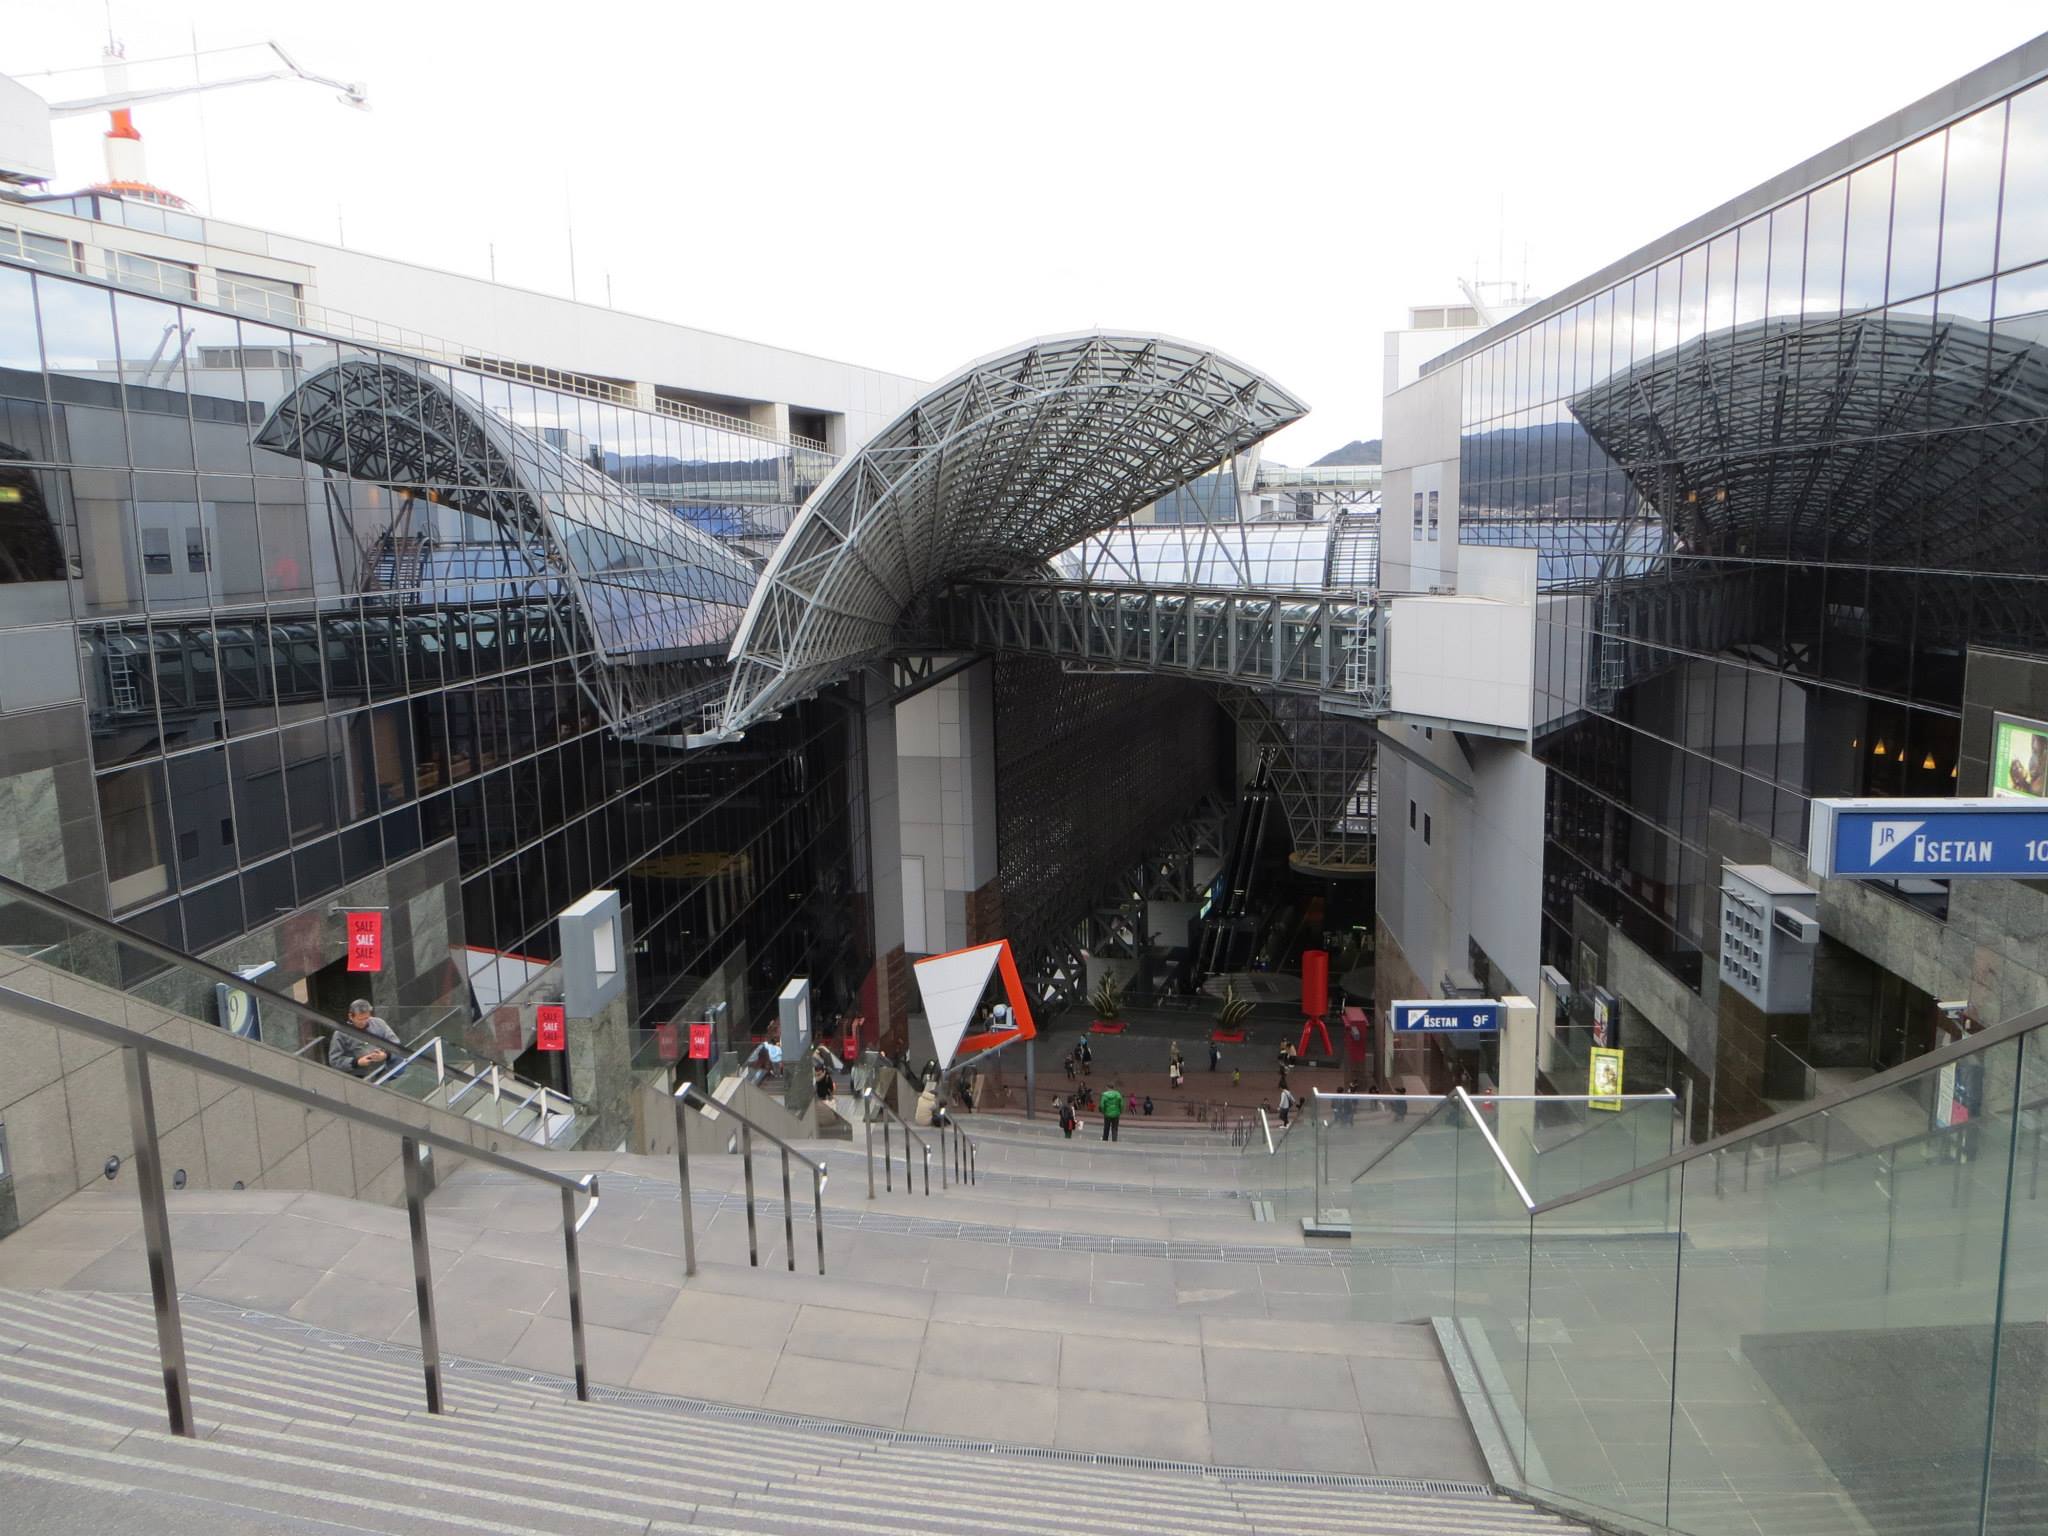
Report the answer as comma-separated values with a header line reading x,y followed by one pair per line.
x,y
1315,983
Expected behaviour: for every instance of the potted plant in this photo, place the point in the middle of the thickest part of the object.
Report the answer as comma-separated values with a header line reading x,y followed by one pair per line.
x,y
1231,1017
1108,1002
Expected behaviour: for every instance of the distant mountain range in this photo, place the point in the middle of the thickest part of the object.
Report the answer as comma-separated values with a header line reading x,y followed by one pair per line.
x,y
1366,451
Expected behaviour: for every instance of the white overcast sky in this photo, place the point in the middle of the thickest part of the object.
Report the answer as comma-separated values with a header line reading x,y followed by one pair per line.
x,y
910,186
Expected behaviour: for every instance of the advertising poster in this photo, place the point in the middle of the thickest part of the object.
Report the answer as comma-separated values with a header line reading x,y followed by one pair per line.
x,y
2019,759
1604,1079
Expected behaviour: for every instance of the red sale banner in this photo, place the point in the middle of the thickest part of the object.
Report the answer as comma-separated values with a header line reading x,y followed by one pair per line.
x,y
366,941
550,1022
700,1042
667,1043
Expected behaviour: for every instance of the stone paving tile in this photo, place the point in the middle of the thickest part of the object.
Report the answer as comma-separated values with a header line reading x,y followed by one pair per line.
x,y
868,1394
991,1354
1294,1439
945,1405
1134,1367
1279,1379
862,1338
719,1373
1414,1445
1118,1423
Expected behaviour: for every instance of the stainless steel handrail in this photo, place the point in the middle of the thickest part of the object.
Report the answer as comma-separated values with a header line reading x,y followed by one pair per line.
x,y
909,1173
138,1048
1494,1146
690,1096
489,1074
963,1156
1267,1126
430,1046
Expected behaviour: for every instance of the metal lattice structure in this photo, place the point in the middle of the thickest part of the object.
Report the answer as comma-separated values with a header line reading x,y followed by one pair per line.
x,y
1097,775
999,468
1318,644
1324,770
1914,482
659,598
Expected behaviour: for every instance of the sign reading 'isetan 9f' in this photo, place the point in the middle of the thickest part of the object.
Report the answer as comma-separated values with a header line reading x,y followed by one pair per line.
x,y
1929,839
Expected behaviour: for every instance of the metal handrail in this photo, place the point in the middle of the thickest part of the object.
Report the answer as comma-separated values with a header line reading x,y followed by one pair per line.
x,y
1493,1145
138,1048
1437,1103
489,1074
888,1179
963,1169
432,1045
690,1096
1267,1126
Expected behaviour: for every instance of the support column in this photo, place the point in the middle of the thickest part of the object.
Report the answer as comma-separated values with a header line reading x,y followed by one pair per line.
x,y
883,818
1518,1037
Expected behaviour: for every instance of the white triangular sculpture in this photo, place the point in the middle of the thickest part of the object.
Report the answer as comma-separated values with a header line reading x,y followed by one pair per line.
x,y
951,986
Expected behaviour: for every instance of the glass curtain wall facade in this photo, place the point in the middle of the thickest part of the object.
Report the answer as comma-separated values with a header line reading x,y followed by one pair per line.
x,y
280,611
1787,482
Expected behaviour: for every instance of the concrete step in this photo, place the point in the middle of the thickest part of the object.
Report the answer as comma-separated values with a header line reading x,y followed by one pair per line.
x,y
302,1436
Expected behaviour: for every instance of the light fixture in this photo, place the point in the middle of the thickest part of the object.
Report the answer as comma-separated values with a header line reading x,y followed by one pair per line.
x,y
1878,750
1952,770
1928,762
1902,754
1856,743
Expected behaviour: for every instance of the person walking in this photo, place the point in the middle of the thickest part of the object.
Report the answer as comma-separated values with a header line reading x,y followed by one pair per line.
x,y
1286,1104
1065,1111
1112,1106
1400,1102
1215,1055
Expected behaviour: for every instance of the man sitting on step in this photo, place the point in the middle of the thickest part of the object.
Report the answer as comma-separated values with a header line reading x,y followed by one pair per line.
x,y
350,1052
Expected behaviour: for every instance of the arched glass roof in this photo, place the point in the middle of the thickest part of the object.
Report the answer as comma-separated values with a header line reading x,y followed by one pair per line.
x,y
650,586
1012,460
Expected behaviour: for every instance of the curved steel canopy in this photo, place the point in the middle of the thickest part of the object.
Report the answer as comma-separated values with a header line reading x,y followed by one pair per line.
x,y
1012,460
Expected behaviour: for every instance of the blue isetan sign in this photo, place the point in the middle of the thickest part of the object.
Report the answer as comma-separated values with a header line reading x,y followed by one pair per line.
x,y
1446,1015
1929,839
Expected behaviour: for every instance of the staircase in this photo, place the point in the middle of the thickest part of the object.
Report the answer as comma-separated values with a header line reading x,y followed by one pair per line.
x,y
1090,1338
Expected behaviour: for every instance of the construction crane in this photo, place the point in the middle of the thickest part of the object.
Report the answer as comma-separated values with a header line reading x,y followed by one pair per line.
x,y
123,143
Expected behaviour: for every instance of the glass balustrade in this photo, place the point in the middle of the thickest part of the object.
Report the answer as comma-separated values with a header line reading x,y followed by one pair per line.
x,y
1834,1322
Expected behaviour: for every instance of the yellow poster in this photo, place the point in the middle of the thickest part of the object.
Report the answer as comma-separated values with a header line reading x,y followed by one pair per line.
x,y
1605,1079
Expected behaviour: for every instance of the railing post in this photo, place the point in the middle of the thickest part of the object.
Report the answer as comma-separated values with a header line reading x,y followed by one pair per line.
x,y
683,1182
788,1216
1826,1125
1315,1101
973,1174
156,1238
747,1158
867,1122
422,1268
944,1183
574,1265
888,1161
818,1212
927,1168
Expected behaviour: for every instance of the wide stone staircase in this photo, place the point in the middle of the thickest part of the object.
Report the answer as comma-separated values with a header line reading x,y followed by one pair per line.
x,y
1088,1337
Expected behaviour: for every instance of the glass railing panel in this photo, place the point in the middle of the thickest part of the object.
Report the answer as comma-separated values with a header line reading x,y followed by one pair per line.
x,y
1490,1267
1358,1129
2018,1495
1833,1356
1404,1224
1603,1285
1576,1143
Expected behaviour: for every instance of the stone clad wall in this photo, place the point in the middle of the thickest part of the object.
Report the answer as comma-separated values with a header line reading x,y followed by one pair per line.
x,y
64,1109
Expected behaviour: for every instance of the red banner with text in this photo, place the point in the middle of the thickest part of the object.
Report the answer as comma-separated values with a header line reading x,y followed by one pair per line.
x,y
550,1025
366,941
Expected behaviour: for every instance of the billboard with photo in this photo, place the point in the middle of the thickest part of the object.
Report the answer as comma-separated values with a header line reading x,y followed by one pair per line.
x,y
2019,758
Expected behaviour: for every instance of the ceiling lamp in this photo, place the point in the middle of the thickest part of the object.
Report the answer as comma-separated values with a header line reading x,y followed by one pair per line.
x,y
1928,762
1878,750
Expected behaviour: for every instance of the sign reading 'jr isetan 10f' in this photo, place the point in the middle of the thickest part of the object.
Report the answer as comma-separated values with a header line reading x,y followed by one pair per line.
x,y
1929,839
